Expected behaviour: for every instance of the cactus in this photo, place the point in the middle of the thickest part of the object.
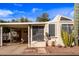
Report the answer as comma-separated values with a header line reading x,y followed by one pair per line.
x,y
64,37
71,39
67,38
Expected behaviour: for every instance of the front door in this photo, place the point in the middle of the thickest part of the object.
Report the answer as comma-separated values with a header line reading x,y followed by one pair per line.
x,y
38,36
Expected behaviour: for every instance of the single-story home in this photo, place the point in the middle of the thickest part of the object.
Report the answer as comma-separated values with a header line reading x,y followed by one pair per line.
x,y
39,34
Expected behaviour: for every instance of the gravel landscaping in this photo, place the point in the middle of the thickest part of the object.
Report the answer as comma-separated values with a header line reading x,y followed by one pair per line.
x,y
22,49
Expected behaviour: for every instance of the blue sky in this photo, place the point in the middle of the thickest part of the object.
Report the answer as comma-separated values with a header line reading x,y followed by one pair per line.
x,y
9,11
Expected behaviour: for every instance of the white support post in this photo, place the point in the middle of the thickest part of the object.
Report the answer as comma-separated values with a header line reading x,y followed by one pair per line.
x,y
29,36
1,36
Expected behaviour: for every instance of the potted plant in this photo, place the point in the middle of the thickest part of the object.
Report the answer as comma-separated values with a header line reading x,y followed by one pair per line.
x,y
53,43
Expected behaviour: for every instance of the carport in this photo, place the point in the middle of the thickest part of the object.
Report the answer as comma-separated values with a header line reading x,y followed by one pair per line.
x,y
23,27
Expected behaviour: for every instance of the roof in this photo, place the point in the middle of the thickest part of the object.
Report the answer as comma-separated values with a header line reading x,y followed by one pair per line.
x,y
18,23
61,18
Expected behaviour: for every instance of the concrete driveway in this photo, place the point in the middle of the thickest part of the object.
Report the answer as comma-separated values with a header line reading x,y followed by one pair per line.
x,y
13,49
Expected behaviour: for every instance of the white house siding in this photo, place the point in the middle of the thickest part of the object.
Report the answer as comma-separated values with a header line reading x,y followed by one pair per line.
x,y
57,38
38,44
46,31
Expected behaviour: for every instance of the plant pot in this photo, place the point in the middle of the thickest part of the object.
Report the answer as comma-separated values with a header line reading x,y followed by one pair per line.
x,y
53,43
59,46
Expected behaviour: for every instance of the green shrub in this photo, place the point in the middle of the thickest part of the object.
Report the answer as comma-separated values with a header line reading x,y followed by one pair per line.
x,y
71,39
67,38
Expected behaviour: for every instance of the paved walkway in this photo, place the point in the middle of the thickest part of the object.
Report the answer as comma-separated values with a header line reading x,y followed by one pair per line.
x,y
42,50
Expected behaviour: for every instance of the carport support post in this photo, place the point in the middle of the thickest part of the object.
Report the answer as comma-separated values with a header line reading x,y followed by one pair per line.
x,y
1,31
29,36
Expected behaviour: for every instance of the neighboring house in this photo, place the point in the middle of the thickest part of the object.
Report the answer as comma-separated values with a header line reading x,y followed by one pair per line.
x,y
35,32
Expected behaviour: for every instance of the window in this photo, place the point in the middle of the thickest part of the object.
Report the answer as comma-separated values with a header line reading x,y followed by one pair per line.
x,y
67,27
38,33
64,27
51,29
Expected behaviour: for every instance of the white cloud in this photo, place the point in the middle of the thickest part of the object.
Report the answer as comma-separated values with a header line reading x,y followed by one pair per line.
x,y
62,11
18,11
72,13
4,13
17,4
36,9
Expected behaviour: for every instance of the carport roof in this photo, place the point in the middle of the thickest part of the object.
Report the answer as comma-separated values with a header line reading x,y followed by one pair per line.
x,y
22,23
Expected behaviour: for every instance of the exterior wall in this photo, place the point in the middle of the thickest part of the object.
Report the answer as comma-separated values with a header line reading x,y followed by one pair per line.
x,y
58,30
46,31
57,38
38,44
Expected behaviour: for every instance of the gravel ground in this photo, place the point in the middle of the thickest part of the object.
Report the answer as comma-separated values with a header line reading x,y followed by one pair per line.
x,y
21,49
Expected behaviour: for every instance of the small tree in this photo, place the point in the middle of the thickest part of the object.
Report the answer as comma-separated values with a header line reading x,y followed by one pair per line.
x,y
43,18
22,19
2,21
13,20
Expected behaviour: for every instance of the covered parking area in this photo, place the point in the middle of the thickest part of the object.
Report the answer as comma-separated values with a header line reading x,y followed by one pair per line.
x,y
32,32
21,29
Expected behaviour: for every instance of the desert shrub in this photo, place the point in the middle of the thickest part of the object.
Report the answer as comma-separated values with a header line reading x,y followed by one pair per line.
x,y
68,39
64,37
71,39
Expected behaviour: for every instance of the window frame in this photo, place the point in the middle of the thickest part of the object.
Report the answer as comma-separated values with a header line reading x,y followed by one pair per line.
x,y
54,30
37,32
68,26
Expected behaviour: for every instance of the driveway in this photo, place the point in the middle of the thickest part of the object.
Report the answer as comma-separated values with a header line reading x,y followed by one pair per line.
x,y
13,49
